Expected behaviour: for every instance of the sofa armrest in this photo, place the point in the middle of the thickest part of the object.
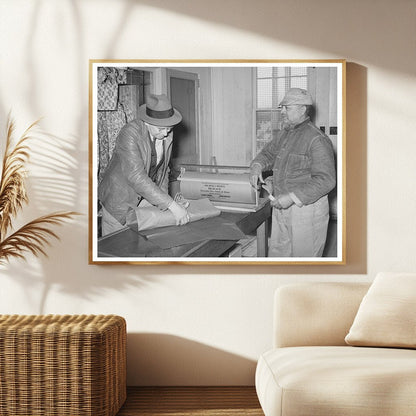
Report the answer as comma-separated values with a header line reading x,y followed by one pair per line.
x,y
308,314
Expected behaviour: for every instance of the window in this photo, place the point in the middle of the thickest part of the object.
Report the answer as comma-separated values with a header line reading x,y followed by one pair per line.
x,y
271,86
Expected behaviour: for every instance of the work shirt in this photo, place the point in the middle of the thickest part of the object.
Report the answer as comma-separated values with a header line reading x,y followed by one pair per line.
x,y
302,159
157,156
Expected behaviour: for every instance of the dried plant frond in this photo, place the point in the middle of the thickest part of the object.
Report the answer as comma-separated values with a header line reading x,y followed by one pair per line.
x,y
12,183
32,237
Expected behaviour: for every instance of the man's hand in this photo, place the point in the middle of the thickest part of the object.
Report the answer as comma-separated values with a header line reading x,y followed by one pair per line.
x,y
256,175
283,201
179,212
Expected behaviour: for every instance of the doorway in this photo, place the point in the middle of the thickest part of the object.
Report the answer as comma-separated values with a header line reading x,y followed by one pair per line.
x,y
183,90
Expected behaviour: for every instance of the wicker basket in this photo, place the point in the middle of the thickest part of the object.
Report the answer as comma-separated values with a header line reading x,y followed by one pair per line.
x,y
71,365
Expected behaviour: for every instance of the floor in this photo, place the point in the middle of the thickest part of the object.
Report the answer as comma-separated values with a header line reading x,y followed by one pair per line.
x,y
191,401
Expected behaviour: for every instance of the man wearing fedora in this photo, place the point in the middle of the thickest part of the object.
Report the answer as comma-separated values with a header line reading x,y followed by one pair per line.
x,y
302,159
138,172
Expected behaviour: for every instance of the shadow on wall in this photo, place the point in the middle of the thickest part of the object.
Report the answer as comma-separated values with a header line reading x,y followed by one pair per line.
x,y
37,285
161,359
70,191
335,27
60,181
53,187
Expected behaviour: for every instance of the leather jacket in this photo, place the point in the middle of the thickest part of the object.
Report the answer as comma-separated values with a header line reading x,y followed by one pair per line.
x,y
126,182
302,159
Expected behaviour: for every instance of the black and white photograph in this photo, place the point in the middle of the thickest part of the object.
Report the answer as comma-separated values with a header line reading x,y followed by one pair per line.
x,y
217,162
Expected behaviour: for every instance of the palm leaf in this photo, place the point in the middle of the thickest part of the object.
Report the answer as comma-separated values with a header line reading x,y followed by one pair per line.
x,y
33,237
12,183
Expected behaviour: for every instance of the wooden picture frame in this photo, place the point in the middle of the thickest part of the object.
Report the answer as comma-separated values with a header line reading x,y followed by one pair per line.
x,y
230,111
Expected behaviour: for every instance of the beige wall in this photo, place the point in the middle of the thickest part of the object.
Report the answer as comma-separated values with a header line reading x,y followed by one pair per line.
x,y
200,324
232,116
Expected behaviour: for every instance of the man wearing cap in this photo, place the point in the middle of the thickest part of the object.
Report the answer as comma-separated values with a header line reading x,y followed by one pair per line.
x,y
302,159
138,172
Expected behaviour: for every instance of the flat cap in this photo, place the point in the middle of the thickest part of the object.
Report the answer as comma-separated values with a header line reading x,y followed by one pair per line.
x,y
297,96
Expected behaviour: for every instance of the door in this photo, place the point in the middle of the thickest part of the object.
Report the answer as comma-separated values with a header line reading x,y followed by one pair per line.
x,y
183,91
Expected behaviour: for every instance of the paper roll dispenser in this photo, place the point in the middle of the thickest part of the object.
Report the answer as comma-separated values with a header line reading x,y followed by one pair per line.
x,y
227,187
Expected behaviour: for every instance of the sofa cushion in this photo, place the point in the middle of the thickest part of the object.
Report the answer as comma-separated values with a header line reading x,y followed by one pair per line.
x,y
304,381
315,314
387,314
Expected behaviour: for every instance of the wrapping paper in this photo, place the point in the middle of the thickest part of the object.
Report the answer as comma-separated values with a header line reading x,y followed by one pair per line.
x,y
149,217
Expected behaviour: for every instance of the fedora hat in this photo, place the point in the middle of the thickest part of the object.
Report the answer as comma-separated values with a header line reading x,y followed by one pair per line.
x,y
158,111
297,96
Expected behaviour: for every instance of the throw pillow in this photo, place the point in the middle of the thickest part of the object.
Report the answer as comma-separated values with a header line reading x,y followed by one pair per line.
x,y
386,316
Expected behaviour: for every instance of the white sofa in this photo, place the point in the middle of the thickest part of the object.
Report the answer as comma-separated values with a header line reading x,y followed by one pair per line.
x,y
311,371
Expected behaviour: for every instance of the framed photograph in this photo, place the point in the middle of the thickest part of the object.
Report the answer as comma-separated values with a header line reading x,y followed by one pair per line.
x,y
217,162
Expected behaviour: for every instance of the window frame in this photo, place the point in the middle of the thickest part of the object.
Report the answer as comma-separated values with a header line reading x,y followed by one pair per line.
x,y
275,98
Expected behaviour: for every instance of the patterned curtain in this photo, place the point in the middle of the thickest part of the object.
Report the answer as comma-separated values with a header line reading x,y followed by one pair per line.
x,y
119,96
111,117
